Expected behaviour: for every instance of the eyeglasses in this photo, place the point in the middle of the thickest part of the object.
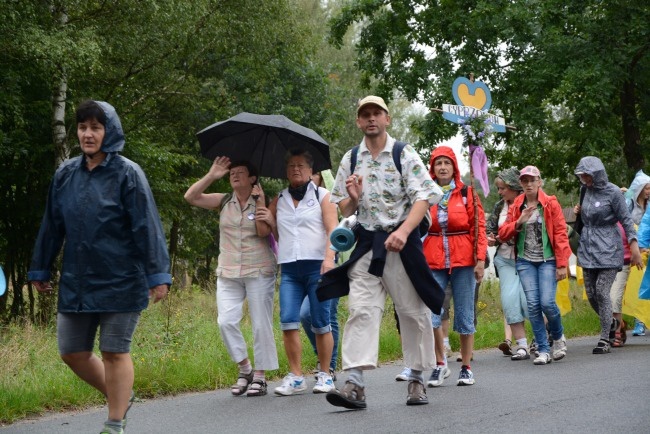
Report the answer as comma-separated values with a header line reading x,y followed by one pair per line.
x,y
528,181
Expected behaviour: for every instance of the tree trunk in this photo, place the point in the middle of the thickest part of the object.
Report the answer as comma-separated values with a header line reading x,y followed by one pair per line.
x,y
59,96
631,133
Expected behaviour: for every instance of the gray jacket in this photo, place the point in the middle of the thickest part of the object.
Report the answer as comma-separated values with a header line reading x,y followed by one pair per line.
x,y
602,208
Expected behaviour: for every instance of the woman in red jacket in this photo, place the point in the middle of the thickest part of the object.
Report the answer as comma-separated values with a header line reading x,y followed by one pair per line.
x,y
542,255
453,251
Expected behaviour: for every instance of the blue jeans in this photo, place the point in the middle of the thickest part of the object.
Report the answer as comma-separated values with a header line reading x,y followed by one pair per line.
x,y
463,285
298,280
305,319
538,281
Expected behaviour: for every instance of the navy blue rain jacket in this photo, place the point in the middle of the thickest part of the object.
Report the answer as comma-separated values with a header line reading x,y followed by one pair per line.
x,y
115,247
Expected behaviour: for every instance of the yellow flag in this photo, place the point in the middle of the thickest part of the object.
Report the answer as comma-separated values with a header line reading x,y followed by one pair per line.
x,y
562,296
632,305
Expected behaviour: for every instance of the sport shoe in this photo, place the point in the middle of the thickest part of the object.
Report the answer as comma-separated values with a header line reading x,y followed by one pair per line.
x,y
639,328
351,396
417,394
108,429
324,383
291,384
602,347
438,376
559,348
466,377
543,359
404,375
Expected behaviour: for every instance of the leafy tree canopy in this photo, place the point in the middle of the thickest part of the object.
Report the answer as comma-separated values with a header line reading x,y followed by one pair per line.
x,y
571,76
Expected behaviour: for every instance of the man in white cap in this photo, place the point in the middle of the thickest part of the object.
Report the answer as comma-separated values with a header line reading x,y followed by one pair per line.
x,y
391,193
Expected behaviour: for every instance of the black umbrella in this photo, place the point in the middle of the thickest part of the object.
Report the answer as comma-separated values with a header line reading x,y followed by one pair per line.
x,y
264,141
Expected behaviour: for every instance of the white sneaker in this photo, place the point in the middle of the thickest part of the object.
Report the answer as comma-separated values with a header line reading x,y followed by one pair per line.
x,y
438,376
324,383
559,348
291,384
542,359
404,375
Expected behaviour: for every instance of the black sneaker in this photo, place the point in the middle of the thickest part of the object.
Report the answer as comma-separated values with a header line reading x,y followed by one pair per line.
x,y
602,347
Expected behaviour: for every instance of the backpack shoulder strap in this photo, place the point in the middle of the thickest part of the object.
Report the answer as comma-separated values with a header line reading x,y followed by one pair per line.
x,y
353,158
583,190
224,200
398,147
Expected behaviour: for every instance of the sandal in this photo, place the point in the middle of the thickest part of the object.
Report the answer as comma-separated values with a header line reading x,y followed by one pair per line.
x,y
623,331
506,347
240,386
617,342
520,354
602,347
257,388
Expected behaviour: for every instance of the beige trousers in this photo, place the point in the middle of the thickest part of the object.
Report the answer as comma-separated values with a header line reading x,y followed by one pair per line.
x,y
360,348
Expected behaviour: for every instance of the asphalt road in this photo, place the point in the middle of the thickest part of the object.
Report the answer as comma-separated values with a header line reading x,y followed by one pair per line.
x,y
582,393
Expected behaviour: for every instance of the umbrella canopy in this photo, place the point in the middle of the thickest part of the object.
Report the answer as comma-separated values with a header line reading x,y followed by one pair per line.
x,y
264,141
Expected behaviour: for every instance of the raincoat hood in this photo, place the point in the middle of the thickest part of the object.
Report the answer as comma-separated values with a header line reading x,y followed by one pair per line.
x,y
445,151
593,167
114,136
636,188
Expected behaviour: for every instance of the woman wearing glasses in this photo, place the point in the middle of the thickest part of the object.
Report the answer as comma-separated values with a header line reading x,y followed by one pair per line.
x,y
542,252
246,270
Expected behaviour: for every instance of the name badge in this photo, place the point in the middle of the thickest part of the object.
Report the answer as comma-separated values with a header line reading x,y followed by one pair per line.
x,y
310,202
251,216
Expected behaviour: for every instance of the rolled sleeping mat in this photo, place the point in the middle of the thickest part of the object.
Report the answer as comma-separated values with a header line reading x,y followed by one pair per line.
x,y
342,238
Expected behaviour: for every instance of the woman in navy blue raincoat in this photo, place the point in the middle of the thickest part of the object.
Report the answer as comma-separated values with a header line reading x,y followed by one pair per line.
x,y
114,260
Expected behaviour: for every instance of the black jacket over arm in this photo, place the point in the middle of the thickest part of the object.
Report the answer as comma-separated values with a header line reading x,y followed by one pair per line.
x,y
335,283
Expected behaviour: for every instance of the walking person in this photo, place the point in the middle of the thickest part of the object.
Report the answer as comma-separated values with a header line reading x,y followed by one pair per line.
x,y
513,298
326,180
536,222
302,217
455,250
600,252
246,270
391,193
115,260
636,199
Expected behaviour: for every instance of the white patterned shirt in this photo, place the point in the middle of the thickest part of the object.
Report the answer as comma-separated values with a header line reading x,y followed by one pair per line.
x,y
387,196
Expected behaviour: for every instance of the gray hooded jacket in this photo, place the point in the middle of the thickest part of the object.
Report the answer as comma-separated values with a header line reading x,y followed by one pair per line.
x,y
115,247
602,207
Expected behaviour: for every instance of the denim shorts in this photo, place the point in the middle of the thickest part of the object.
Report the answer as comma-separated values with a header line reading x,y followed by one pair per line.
x,y
76,332
463,289
298,280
